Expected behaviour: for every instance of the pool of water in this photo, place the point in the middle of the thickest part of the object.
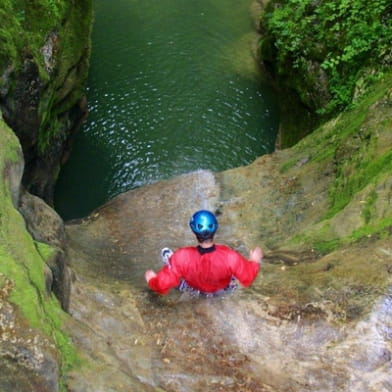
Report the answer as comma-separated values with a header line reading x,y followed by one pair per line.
x,y
173,87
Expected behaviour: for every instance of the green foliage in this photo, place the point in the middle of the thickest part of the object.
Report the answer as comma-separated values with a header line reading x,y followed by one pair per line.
x,y
342,36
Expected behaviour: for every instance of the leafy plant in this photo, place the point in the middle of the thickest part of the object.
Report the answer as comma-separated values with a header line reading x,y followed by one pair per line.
x,y
342,37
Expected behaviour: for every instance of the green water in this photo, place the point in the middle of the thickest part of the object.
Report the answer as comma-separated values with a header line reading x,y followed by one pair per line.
x,y
173,87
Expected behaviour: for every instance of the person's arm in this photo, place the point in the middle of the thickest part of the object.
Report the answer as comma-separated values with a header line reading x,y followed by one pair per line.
x,y
163,281
246,270
149,275
256,255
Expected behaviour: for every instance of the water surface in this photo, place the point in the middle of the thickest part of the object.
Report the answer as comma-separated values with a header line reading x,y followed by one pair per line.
x,y
173,87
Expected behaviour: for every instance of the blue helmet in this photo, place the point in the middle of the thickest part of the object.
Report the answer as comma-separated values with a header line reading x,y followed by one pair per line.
x,y
204,224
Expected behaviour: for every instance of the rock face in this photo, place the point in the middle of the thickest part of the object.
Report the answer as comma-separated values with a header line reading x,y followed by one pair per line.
x,y
29,359
241,342
46,226
319,316
41,91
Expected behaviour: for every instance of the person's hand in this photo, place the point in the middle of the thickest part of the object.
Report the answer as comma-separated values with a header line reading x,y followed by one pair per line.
x,y
256,255
149,275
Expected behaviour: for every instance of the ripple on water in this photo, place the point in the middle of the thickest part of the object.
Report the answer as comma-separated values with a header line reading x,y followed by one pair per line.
x,y
168,81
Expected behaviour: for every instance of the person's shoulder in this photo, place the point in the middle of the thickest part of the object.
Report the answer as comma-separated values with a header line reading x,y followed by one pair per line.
x,y
228,251
223,248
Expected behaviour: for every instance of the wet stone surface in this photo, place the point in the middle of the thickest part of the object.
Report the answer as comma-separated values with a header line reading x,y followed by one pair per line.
x,y
249,340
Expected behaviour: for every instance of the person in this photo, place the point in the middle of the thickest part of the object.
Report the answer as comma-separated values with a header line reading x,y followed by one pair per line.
x,y
207,268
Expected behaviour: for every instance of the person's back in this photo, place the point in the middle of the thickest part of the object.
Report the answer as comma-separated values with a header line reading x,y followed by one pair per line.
x,y
211,269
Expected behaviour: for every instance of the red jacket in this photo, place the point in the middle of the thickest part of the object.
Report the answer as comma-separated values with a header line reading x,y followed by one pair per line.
x,y
207,271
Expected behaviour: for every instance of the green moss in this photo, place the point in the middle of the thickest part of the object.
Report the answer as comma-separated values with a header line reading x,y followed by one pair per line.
x,y
366,171
24,26
45,250
343,285
10,38
323,241
22,262
319,239
345,126
350,142
24,29
75,52
288,165
74,39
369,206
325,247
381,229
354,143
69,355
324,142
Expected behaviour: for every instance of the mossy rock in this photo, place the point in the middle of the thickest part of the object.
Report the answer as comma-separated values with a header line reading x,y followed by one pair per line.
x,y
44,59
30,315
321,210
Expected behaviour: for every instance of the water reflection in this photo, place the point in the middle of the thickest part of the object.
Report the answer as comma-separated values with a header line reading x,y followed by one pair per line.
x,y
172,88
